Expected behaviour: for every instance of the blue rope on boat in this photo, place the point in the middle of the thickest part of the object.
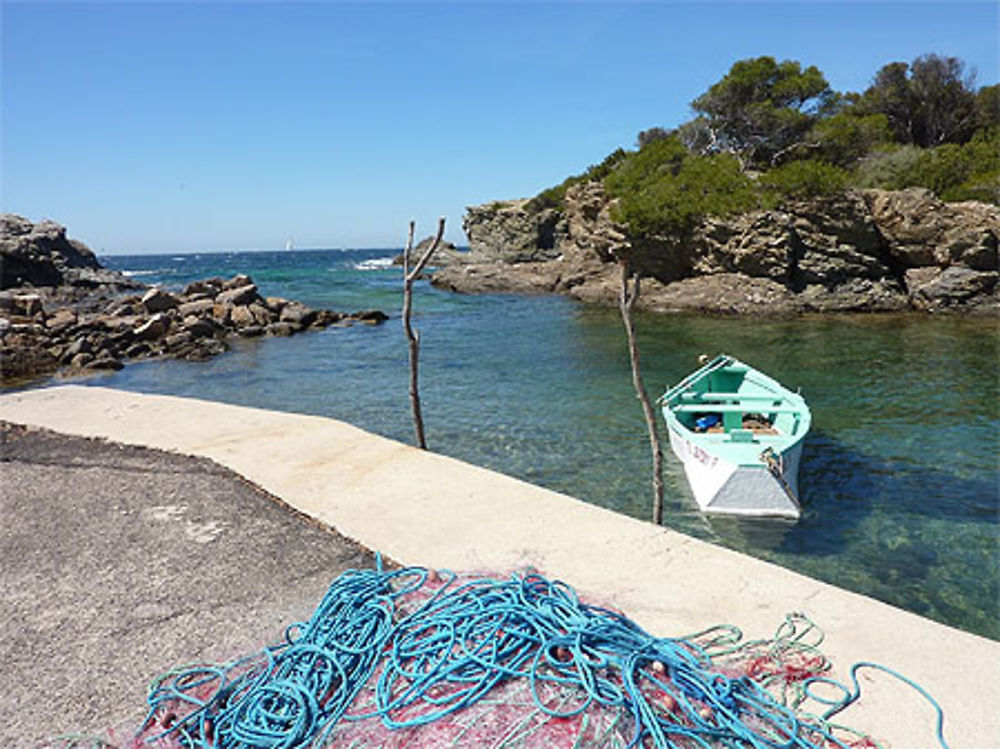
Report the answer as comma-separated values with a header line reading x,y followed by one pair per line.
x,y
427,661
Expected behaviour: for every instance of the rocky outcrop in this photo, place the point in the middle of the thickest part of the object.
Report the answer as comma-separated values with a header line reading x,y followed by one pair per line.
x,y
868,251
445,254
40,255
60,311
921,231
104,333
512,232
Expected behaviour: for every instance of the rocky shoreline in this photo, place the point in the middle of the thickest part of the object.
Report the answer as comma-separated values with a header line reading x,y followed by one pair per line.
x,y
62,313
858,251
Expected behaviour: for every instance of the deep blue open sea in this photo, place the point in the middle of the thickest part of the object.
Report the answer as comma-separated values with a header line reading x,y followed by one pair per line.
x,y
899,477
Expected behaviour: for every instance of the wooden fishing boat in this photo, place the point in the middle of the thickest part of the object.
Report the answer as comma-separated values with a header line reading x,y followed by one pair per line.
x,y
739,435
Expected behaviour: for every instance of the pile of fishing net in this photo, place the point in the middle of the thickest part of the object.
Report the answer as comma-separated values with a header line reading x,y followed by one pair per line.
x,y
416,658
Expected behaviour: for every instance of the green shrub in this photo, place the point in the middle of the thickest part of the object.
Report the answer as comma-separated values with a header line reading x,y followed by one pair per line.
x,y
845,138
939,169
953,172
555,197
803,179
665,190
886,168
984,187
806,140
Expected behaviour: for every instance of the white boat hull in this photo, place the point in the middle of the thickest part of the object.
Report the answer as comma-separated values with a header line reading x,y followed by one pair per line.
x,y
723,487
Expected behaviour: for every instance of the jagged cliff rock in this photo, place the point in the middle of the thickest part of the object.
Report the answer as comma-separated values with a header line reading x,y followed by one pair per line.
x,y
40,255
870,250
922,231
511,232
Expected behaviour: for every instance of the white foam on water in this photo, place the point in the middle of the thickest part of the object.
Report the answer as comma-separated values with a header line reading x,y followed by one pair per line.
x,y
376,263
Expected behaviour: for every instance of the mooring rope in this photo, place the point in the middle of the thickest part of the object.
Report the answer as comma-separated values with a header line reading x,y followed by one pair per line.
x,y
426,646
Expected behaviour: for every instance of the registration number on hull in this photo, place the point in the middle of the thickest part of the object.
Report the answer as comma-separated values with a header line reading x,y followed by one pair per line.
x,y
697,453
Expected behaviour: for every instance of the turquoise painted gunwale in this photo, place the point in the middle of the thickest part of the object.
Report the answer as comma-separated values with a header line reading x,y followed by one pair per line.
x,y
756,393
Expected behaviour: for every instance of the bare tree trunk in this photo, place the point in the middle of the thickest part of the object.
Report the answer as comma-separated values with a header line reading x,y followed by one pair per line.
x,y
627,302
409,276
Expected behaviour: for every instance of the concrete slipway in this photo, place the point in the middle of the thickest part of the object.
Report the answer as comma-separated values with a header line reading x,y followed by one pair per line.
x,y
426,509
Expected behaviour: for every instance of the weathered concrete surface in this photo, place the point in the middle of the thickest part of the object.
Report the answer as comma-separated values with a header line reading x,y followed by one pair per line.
x,y
118,563
423,508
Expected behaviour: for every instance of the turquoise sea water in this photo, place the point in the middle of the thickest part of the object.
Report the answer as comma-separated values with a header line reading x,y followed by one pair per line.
x,y
899,477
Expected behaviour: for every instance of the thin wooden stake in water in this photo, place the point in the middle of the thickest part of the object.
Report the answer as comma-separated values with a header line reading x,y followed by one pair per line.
x,y
409,276
626,303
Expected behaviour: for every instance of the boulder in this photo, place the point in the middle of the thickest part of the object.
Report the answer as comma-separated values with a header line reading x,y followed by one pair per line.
x,y
120,340
78,346
105,362
61,320
719,293
955,286
41,255
200,327
372,316
158,300
239,295
80,361
275,303
209,287
238,281
155,327
98,330
241,316
298,315
253,314
205,349
261,314
127,308
520,278
27,305
921,230
137,350
854,295
325,318
24,354
176,340
115,322
200,308
221,312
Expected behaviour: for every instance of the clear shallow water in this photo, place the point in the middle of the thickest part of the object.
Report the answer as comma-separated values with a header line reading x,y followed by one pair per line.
x,y
900,474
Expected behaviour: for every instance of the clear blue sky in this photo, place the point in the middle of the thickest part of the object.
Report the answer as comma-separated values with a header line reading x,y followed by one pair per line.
x,y
180,127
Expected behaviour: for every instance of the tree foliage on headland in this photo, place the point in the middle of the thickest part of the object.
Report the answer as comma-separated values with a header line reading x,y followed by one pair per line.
x,y
771,131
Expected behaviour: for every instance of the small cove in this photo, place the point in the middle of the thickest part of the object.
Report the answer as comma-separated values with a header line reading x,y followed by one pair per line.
x,y
899,475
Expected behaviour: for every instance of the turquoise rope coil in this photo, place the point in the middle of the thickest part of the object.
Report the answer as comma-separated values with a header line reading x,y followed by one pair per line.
x,y
429,651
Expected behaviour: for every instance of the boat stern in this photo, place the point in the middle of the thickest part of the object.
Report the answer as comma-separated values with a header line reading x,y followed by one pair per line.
x,y
756,492
739,488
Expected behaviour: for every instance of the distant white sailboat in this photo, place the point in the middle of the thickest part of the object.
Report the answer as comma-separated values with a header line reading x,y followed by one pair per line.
x,y
289,245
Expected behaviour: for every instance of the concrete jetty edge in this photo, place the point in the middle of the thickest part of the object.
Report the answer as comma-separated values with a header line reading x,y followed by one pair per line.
x,y
426,509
